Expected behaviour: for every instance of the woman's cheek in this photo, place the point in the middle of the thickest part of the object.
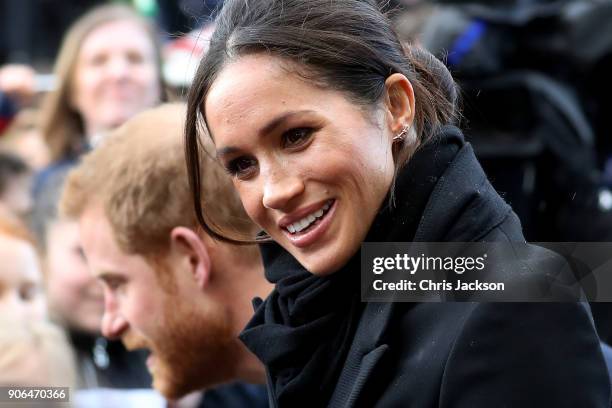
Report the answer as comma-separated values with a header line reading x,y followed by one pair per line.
x,y
252,201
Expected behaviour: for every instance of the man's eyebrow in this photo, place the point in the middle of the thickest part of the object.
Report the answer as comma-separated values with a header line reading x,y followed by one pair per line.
x,y
108,276
270,127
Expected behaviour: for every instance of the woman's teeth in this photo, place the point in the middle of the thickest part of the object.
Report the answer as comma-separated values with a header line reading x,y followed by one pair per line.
x,y
308,220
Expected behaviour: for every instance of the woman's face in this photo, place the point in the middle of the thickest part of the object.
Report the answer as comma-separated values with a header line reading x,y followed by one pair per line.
x,y
311,167
116,75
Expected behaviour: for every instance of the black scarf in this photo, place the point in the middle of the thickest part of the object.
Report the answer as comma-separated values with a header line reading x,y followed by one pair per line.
x,y
303,330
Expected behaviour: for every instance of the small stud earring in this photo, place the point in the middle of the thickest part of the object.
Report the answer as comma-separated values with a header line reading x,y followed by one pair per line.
x,y
401,135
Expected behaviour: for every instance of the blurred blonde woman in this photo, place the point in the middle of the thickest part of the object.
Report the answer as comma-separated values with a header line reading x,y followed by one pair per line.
x,y
108,69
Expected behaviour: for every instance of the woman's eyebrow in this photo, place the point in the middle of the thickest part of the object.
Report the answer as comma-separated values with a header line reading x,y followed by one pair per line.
x,y
227,151
279,120
270,127
30,282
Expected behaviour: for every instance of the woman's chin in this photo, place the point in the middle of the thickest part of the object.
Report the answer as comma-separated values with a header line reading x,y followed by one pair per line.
x,y
321,264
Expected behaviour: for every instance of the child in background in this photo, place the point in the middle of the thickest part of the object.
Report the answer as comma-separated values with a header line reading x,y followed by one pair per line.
x,y
24,139
21,288
15,186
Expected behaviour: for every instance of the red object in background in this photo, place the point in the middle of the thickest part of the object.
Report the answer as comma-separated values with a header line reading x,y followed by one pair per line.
x,y
3,125
8,110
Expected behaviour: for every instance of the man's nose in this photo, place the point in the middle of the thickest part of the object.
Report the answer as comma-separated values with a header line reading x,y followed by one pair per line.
x,y
113,325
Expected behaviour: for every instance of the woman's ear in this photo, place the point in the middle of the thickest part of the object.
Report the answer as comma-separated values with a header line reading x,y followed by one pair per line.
x,y
399,102
188,244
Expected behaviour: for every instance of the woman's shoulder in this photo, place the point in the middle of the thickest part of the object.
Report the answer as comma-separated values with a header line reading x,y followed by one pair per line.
x,y
489,354
519,348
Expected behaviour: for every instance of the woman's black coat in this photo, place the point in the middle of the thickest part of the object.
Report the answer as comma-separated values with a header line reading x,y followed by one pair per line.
x,y
322,347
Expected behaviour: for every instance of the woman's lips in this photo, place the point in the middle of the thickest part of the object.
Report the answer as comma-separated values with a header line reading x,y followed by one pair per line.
x,y
311,234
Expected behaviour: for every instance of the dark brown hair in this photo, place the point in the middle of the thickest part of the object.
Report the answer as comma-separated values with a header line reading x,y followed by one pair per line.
x,y
347,45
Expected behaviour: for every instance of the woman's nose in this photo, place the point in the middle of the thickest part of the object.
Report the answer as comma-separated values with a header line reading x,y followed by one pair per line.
x,y
118,68
280,190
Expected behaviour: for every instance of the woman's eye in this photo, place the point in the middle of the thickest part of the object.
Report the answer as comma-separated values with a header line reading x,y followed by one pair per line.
x,y
241,167
135,58
28,292
296,137
98,60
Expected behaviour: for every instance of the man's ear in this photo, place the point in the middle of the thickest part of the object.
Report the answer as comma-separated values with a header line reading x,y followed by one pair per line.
x,y
187,242
399,102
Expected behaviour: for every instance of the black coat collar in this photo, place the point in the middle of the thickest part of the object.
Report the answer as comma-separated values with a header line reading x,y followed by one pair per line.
x,y
463,206
311,330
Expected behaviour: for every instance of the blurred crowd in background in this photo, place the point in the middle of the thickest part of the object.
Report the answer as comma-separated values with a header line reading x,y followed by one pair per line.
x,y
535,95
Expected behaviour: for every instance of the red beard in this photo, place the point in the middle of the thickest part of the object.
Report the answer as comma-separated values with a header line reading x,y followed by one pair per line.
x,y
193,348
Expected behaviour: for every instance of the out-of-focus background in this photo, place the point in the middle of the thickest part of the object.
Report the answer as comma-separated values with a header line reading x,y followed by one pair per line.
x,y
535,83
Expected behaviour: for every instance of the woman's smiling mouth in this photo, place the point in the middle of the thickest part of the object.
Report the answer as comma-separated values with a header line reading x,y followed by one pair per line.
x,y
307,221
310,227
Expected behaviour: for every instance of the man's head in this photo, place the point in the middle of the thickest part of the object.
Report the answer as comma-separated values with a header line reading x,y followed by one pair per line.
x,y
167,286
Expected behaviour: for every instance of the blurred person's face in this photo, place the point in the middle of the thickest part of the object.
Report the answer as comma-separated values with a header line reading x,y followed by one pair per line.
x,y
34,353
21,292
75,297
17,195
116,75
29,369
31,147
187,333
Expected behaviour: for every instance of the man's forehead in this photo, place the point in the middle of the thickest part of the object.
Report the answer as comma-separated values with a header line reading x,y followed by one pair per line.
x,y
99,245
93,213
107,261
